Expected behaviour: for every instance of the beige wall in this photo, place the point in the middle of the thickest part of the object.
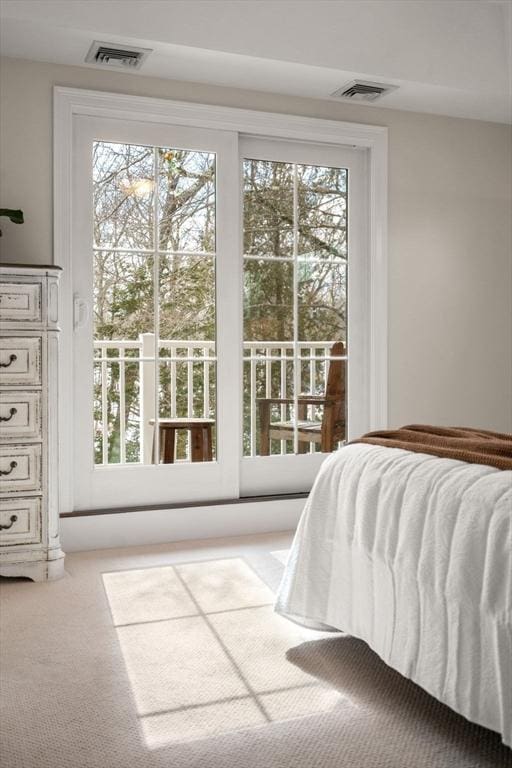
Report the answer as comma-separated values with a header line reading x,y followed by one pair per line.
x,y
450,241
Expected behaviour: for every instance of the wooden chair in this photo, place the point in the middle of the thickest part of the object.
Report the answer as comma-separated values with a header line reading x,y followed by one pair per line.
x,y
327,432
200,438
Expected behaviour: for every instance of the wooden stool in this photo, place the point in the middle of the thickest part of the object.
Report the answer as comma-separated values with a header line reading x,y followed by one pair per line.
x,y
200,438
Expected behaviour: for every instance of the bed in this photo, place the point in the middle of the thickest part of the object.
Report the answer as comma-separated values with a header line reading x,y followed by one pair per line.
x,y
412,553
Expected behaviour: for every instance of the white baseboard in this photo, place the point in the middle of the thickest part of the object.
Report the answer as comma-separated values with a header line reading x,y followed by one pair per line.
x,y
169,525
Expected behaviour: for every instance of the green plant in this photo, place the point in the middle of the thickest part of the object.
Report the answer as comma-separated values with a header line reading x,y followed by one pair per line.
x,y
16,216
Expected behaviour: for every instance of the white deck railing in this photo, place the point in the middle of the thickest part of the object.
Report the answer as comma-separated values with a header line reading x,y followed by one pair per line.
x,y
125,385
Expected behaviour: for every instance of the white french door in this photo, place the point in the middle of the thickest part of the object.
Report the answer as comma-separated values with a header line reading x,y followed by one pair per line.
x,y
211,271
155,259
304,221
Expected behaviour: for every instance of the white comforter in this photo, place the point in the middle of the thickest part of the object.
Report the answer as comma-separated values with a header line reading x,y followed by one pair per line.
x,y
413,554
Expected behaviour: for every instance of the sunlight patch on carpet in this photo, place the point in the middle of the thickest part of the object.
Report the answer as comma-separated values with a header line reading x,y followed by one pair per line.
x,y
224,585
206,654
148,594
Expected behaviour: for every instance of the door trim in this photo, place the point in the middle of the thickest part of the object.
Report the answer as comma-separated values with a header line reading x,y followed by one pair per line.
x,y
69,102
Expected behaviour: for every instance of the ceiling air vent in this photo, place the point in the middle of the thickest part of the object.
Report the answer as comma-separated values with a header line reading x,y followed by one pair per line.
x,y
115,55
362,90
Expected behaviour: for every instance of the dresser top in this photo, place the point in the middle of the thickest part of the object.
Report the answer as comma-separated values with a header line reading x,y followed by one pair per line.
x,y
7,268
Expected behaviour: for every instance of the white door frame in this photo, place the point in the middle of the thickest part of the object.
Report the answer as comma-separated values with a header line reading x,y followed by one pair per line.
x,y
69,102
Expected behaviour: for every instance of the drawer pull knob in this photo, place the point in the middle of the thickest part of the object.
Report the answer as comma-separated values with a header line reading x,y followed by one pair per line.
x,y
12,520
12,358
12,412
12,466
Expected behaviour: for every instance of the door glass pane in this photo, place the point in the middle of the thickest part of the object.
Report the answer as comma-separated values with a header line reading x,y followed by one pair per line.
x,y
268,300
295,307
322,301
186,306
123,177
123,294
268,209
186,199
322,212
154,304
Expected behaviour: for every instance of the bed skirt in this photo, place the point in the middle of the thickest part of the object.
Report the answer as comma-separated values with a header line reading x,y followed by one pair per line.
x,y
413,554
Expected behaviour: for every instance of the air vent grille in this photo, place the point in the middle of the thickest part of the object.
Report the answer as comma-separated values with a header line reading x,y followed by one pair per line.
x,y
114,55
361,90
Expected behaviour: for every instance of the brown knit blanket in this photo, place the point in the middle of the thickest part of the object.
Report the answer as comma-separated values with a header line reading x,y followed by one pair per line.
x,y
475,446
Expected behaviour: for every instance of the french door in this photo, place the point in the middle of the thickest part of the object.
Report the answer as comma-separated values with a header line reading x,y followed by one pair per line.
x,y
210,287
303,220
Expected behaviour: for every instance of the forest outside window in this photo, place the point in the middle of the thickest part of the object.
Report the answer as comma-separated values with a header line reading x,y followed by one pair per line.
x,y
154,297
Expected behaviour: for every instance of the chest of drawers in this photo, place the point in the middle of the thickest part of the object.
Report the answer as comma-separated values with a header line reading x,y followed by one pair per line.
x,y
29,359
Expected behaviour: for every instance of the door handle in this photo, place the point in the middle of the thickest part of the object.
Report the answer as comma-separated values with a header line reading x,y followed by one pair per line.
x,y
80,312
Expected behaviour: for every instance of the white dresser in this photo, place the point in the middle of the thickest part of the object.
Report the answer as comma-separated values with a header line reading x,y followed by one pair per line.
x,y
29,354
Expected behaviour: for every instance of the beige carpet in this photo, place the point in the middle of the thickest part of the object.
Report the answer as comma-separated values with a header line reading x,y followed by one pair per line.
x,y
172,656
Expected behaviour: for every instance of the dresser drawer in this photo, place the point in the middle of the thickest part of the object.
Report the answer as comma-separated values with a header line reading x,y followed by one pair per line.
x,y
20,360
20,521
20,415
20,468
20,302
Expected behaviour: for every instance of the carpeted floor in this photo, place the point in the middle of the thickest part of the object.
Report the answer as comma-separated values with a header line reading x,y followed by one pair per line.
x,y
172,656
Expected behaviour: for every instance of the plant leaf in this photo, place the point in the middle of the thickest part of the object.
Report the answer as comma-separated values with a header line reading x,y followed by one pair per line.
x,y
16,216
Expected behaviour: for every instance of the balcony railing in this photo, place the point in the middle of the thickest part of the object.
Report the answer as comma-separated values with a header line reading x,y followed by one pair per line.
x,y
125,388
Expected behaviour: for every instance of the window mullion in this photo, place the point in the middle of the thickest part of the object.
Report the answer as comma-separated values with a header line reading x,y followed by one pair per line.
x,y
156,308
296,369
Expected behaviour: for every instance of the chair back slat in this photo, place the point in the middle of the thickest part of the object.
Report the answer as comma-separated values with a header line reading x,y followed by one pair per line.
x,y
333,417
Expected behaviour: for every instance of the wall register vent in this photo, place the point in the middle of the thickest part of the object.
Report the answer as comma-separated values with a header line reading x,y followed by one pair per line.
x,y
362,90
115,55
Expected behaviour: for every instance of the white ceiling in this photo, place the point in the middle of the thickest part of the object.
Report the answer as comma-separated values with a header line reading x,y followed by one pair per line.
x,y
450,57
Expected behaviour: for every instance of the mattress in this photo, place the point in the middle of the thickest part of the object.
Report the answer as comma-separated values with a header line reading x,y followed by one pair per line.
x,y
413,554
